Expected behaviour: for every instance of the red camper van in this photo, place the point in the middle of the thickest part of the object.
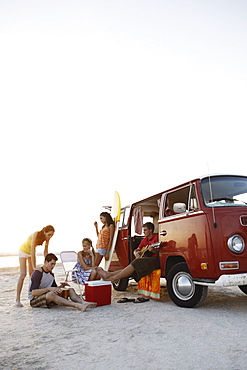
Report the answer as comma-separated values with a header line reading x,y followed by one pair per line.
x,y
202,225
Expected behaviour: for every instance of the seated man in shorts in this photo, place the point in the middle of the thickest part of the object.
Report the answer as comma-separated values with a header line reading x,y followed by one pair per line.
x,y
43,290
139,267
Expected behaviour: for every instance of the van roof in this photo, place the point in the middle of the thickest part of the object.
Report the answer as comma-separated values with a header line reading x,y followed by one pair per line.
x,y
158,195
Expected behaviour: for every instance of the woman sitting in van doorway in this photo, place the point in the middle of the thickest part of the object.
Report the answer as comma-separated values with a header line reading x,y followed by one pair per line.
x,y
140,266
105,237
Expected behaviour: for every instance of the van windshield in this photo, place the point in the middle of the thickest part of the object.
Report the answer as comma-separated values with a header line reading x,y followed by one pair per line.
x,y
224,191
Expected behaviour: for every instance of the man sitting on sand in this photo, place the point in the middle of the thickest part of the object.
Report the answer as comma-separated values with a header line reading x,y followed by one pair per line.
x,y
139,267
43,290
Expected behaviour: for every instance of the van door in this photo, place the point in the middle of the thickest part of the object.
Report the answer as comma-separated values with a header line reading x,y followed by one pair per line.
x,y
184,230
121,254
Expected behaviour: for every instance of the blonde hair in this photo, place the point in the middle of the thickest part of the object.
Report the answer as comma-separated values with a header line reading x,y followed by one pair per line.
x,y
89,241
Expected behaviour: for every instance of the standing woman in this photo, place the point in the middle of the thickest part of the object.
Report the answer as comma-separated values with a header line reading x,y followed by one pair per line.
x,y
105,237
27,253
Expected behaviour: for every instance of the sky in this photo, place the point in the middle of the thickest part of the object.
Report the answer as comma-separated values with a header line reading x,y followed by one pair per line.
x,y
98,96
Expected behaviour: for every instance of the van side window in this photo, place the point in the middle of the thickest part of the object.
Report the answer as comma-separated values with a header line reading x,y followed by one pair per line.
x,y
186,197
124,217
193,203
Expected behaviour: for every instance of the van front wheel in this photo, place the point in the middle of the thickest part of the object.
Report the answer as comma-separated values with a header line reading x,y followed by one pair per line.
x,y
181,288
243,288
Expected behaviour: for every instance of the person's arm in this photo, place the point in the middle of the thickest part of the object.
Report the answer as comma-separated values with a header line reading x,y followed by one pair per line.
x,y
83,265
35,283
33,249
46,248
155,240
93,259
96,228
37,292
112,229
137,253
153,250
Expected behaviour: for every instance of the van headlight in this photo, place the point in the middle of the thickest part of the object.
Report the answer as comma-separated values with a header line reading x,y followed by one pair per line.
x,y
236,243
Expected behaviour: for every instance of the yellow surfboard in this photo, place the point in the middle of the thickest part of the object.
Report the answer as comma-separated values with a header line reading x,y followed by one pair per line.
x,y
116,208
115,213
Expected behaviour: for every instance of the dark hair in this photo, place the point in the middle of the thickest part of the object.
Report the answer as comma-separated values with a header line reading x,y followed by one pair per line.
x,y
108,217
40,234
50,256
149,226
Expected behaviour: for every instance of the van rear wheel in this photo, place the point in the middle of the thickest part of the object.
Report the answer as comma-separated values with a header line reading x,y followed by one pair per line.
x,y
181,288
121,284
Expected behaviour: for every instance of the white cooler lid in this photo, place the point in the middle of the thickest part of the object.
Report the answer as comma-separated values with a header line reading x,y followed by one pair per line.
x,y
98,282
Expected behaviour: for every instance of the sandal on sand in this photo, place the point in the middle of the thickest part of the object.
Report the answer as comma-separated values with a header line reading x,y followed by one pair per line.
x,y
141,300
124,300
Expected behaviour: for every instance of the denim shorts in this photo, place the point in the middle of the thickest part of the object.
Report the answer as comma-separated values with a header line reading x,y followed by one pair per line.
x,y
101,251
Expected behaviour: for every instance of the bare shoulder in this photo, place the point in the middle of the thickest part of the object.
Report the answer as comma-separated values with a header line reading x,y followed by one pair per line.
x,y
34,235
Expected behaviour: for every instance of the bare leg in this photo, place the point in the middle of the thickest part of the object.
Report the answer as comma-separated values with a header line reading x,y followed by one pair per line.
x,y
116,275
94,275
75,298
30,267
82,305
98,258
105,274
23,273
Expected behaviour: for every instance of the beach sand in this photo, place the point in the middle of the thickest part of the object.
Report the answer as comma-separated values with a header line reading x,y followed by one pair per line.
x,y
150,335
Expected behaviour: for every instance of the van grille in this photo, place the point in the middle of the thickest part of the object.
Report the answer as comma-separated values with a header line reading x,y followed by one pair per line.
x,y
243,220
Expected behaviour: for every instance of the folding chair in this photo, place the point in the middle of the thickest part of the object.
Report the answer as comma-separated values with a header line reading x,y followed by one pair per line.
x,y
69,259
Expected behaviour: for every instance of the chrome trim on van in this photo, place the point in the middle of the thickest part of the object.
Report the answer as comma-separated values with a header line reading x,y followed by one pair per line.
x,y
175,217
243,220
229,265
227,280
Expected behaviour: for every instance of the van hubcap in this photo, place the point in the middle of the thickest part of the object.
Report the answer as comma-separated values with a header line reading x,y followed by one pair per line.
x,y
183,286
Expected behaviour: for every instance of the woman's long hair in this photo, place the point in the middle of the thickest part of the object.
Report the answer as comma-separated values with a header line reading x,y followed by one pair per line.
x,y
41,236
108,217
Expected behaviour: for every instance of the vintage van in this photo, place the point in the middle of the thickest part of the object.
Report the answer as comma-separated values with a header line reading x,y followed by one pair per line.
x,y
202,227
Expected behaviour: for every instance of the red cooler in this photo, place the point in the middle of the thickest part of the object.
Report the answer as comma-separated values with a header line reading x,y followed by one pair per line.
x,y
98,291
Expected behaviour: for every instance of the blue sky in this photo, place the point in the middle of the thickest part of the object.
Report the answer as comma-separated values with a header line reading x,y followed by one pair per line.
x,y
98,96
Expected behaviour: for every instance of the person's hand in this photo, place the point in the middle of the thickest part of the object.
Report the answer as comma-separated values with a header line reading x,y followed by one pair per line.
x,y
55,290
137,254
106,257
96,224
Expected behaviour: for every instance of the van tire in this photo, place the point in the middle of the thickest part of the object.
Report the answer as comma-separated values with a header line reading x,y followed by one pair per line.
x,y
243,288
121,284
181,288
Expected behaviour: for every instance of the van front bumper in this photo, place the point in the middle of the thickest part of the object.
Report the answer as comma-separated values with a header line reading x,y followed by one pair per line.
x,y
225,280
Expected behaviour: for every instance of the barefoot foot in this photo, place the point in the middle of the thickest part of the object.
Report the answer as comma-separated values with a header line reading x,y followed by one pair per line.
x,y
84,306
91,304
18,304
102,273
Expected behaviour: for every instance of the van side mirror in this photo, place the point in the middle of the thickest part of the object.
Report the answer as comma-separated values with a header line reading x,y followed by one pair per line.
x,y
179,207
